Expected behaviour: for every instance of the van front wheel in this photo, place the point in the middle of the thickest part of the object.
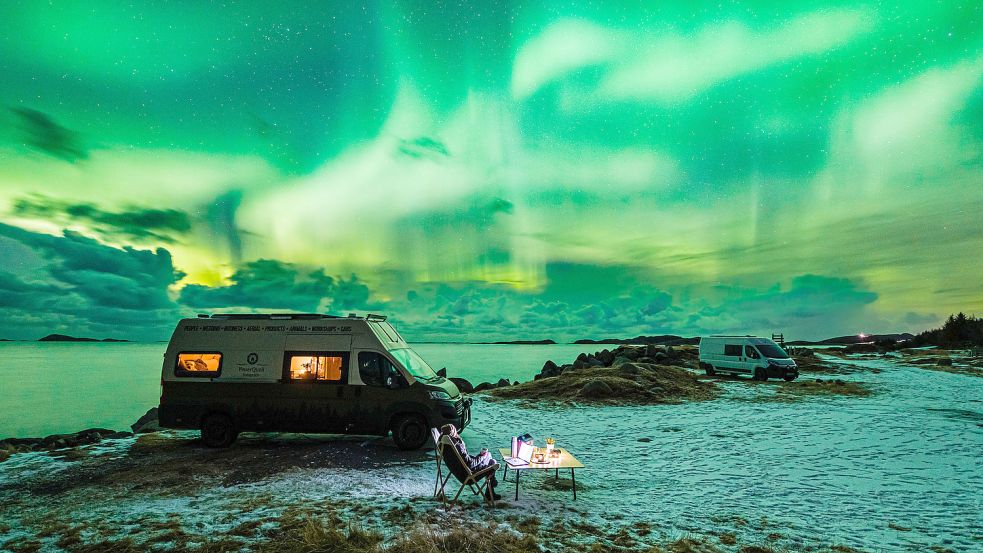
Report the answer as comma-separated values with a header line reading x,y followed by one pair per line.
x,y
410,432
218,431
760,374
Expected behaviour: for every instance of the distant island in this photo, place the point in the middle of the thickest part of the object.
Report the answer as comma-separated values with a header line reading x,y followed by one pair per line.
x,y
64,338
520,343
661,340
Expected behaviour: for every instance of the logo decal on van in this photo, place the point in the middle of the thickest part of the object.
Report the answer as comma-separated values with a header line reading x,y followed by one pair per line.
x,y
252,358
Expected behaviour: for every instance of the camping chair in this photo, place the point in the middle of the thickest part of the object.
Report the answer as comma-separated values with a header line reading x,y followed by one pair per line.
x,y
455,464
438,487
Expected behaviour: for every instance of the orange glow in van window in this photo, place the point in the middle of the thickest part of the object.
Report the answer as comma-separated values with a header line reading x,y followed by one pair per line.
x,y
199,362
313,367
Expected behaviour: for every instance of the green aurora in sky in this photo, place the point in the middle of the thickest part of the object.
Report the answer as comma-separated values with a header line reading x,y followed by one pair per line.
x,y
492,170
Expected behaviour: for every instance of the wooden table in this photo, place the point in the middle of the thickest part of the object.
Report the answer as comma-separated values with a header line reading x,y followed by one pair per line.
x,y
564,461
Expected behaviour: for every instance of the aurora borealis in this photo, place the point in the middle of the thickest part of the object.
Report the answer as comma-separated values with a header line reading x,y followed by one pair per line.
x,y
492,170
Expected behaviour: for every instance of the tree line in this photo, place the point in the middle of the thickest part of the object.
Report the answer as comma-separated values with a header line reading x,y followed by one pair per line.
x,y
959,330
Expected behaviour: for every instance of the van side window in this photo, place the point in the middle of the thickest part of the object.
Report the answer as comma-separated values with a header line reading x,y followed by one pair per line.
x,y
749,351
316,366
375,369
732,349
198,364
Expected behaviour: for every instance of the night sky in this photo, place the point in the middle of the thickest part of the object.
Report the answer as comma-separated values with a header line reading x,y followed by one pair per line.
x,y
494,170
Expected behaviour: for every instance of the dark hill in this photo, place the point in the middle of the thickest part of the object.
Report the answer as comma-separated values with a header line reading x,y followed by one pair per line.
x,y
856,339
64,338
664,339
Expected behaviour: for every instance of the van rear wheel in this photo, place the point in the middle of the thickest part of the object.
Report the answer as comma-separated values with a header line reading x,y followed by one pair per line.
x,y
218,431
410,432
709,369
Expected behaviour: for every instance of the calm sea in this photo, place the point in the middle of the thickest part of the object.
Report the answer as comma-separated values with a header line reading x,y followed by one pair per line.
x,y
59,387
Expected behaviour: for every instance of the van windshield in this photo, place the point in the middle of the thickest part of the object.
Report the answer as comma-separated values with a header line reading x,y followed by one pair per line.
x,y
413,363
773,352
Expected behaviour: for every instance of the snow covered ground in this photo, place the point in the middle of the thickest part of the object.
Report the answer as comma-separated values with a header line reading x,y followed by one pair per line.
x,y
896,471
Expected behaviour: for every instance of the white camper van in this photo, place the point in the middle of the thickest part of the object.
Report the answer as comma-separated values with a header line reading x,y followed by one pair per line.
x,y
302,373
759,357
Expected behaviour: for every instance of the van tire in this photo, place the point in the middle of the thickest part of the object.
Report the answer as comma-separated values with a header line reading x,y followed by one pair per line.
x,y
760,374
790,377
410,432
217,430
709,369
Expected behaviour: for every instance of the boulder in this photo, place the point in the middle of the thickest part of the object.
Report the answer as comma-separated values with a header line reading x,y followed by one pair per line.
x,y
661,358
944,362
502,382
606,356
620,361
117,435
484,386
582,357
462,384
645,440
147,423
549,368
580,363
805,353
596,388
651,350
595,362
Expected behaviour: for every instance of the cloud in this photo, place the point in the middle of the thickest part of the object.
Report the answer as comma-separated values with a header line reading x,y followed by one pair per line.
x,y
44,134
668,69
907,129
271,284
82,286
810,305
139,224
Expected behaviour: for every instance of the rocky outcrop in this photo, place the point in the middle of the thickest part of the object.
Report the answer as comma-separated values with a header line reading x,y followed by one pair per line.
x,y
147,423
10,446
631,383
652,354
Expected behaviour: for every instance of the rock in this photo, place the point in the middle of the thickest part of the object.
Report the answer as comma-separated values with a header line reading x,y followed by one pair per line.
x,y
632,353
147,423
645,440
564,368
660,357
549,368
502,382
580,363
117,435
944,362
462,384
805,353
620,361
484,386
595,362
596,388
606,357
582,357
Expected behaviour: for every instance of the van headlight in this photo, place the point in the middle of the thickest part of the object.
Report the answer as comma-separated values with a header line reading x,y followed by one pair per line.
x,y
439,394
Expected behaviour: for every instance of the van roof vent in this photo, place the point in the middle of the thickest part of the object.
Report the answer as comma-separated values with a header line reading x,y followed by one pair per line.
x,y
202,315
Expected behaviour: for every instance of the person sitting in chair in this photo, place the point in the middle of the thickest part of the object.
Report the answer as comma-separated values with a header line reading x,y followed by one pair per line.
x,y
475,462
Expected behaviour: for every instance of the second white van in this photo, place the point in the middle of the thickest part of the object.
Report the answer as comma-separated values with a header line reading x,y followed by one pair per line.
x,y
759,357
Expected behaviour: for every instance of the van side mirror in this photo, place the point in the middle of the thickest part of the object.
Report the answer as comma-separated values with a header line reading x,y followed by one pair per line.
x,y
442,372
